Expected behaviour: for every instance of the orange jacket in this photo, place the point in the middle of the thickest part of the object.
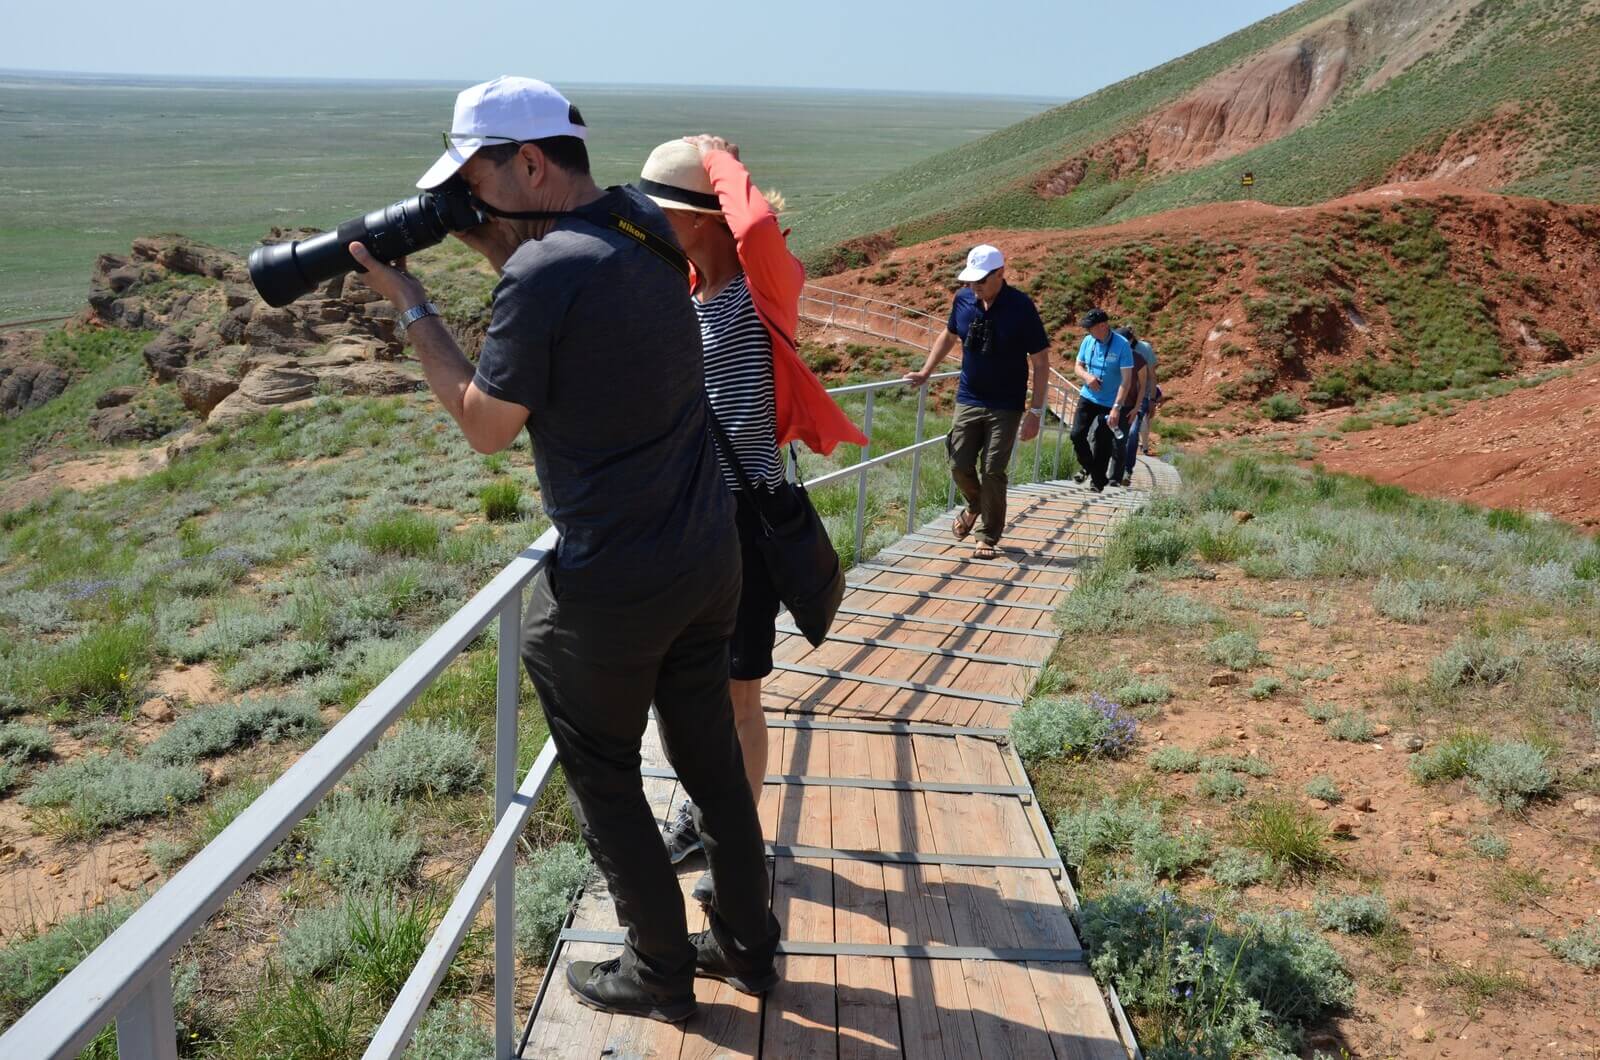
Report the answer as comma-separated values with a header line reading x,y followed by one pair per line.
x,y
775,277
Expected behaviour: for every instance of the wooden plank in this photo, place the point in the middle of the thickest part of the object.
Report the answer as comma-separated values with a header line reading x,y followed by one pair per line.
x,y
935,1017
799,1017
1005,1010
868,1007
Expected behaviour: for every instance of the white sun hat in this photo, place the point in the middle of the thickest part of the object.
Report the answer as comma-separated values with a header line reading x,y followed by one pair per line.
x,y
504,110
981,261
674,178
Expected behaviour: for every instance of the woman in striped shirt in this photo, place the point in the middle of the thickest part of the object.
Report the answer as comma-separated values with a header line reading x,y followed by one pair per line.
x,y
746,290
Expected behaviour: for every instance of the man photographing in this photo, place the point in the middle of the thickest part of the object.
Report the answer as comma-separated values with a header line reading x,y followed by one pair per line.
x,y
593,349
1001,339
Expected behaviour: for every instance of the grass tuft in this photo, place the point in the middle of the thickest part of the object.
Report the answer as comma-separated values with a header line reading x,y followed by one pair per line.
x,y
98,792
1293,838
360,843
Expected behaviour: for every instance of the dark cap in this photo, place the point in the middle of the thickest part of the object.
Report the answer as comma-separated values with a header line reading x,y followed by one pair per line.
x,y
1093,317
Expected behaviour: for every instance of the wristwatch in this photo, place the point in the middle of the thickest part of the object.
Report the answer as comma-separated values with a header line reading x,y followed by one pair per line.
x,y
414,314
1039,412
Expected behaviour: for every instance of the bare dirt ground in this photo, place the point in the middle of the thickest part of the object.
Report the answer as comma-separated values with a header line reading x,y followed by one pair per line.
x,y
84,473
1462,916
1533,449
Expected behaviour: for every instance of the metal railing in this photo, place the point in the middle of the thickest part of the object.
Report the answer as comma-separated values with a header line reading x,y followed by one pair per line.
x,y
1059,401
874,316
128,978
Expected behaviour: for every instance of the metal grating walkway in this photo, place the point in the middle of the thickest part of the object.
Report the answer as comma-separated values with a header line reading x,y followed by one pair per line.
x,y
925,910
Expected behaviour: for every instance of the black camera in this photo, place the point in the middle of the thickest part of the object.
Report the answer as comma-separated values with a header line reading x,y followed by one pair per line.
x,y
980,336
283,272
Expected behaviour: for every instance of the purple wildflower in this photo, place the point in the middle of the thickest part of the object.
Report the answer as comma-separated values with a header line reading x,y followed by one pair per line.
x,y
1121,729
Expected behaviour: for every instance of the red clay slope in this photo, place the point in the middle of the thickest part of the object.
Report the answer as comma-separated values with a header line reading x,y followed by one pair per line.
x,y
1534,449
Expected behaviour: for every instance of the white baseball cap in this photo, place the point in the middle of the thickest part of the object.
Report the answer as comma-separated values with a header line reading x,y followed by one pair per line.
x,y
500,111
981,261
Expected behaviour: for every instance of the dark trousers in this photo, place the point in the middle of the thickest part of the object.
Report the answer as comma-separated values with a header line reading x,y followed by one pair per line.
x,y
987,435
597,668
1125,454
1092,439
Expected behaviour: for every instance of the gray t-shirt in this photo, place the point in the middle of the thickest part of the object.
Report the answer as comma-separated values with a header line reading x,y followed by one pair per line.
x,y
594,335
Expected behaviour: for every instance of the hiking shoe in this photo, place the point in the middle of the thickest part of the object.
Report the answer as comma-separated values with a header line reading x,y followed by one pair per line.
x,y
711,963
704,890
1080,478
603,985
680,836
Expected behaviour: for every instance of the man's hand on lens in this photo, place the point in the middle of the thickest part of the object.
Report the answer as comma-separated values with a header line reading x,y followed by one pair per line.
x,y
708,143
495,240
394,285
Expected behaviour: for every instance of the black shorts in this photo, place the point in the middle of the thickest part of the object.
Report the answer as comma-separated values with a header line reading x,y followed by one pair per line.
x,y
750,650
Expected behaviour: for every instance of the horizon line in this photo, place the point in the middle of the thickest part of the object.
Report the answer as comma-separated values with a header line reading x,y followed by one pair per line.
x,y
267,79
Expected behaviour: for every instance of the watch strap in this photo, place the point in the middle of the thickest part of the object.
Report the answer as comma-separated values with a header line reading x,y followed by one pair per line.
x,y
416,313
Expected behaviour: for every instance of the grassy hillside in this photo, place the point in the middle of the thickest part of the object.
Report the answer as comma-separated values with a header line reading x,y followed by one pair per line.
x,y
1524,70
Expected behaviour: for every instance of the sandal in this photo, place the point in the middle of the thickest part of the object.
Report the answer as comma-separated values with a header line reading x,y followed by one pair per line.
x,y
964,522
983,551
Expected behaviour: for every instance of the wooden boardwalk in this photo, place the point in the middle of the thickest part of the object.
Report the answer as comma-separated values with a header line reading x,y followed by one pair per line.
x,y
923,904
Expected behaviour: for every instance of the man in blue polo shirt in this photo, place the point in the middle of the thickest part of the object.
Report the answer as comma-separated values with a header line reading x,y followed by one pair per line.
x,y
1001,337
1105,365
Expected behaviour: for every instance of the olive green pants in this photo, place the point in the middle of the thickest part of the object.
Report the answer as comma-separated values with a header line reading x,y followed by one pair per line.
x,y
980,444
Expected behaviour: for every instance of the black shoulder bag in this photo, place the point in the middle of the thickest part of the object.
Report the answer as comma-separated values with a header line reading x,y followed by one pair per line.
x,y
798,552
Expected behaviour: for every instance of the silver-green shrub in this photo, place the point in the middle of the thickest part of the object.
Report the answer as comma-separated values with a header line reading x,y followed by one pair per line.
x,y
426,757
1353,914
544,891
100,791
361,844
208,732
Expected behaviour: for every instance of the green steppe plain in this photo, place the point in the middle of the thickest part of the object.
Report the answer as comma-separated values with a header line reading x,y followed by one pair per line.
x,y
87,164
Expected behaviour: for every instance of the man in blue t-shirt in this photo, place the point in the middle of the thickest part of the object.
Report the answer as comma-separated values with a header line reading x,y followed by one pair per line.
x,y
1001,338
1105,365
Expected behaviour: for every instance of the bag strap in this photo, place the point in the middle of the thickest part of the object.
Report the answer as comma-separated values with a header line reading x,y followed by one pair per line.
x,y
720,437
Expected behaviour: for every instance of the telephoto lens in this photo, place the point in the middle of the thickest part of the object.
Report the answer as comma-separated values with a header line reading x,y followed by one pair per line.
x,y
283,272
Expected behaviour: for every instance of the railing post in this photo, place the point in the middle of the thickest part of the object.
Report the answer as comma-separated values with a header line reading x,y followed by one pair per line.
x,y
508,684
147,1028
861,480
1038,439
916,461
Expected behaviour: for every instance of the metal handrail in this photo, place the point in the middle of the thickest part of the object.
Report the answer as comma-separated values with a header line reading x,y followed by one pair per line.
x,y
128,978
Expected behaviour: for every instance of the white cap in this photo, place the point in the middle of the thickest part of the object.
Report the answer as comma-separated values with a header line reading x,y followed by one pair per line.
x,y
981,261
507,108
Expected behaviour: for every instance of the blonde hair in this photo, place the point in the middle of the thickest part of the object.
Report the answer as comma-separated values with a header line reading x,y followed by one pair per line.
x,y
775,200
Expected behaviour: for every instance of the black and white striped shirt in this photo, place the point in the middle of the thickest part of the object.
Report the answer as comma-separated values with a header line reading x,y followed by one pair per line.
x,y
738,353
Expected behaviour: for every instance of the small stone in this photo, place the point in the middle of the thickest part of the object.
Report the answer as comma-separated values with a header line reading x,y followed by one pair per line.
x,y
1419,1012
1440,817
53,868
1318,804
157,709
1588,807
1344,827
1364,804
1380,730
1157,735
1241,517
1240,734
1411,742
1419,1033
1221,678
180,667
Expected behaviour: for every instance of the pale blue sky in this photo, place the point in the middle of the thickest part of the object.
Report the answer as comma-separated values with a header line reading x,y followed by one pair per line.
x,y
1034,48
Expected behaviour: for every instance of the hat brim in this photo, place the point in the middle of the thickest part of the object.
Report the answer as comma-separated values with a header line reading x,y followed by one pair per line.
x,y
447,165
972,275
673,204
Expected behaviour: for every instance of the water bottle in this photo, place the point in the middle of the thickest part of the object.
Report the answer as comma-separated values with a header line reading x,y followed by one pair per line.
x,y
1116,432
